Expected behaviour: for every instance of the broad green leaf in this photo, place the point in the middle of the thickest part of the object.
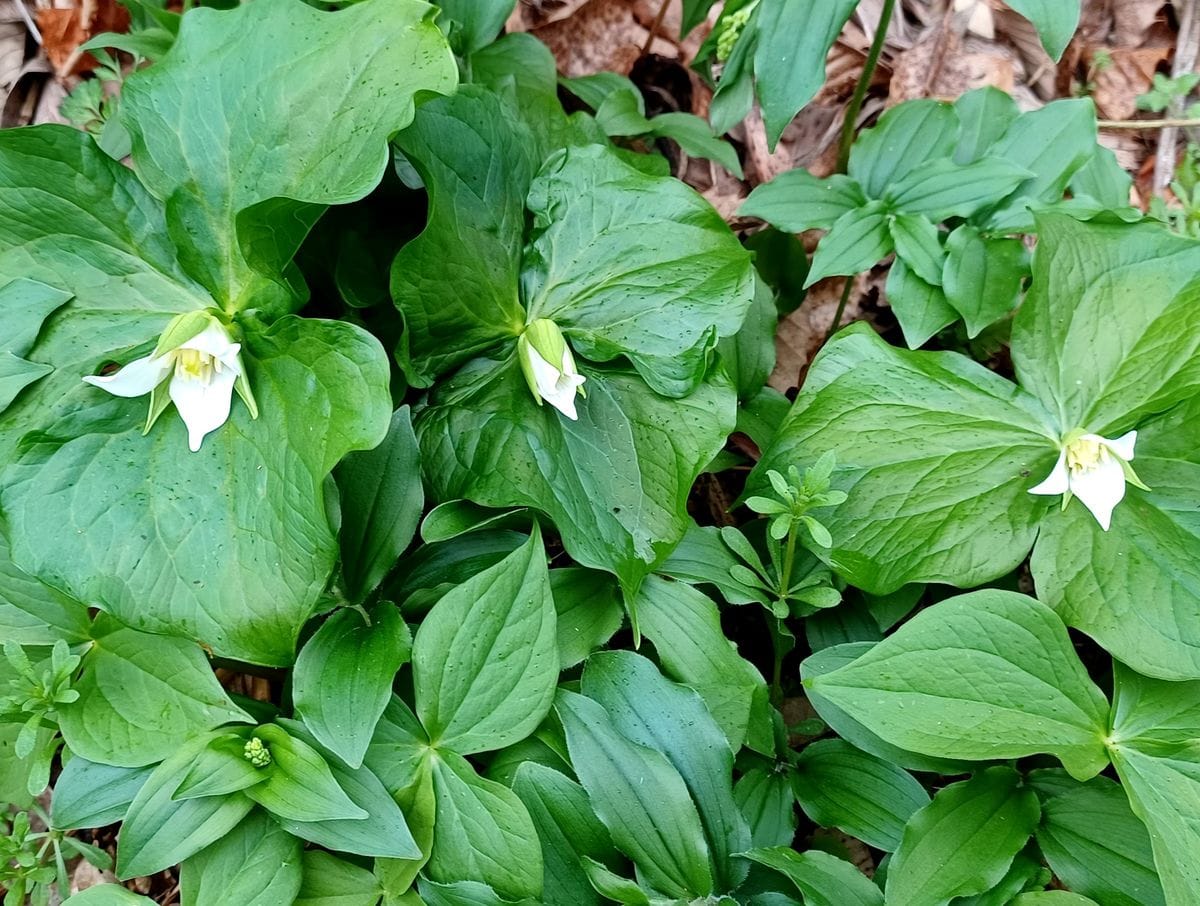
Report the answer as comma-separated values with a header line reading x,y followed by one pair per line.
x,y
963,842
107,895
982,277
918,244
1103,179
1095,844
383,832
672,720
475,157
343,677
1055,20
141,696
256,864
615,482
1025,873
299,785
159,832
634,265
202,553
476,22
906,138
1097,361
589,612
641,799
840,786
824,880
485,660
990,674
857,241
244,203
90,794
984,114
483,832
464,893
330,881
920,307
944,188
695,137
1052,898
35,614
26,304
568,831
749,355
1134,587
793,38
221,768
685,626
766,802
900,424
703,558
381,502
1052,142
796,201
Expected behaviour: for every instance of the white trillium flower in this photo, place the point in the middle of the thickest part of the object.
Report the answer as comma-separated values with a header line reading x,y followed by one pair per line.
x,y
549,367
198,373
1094,469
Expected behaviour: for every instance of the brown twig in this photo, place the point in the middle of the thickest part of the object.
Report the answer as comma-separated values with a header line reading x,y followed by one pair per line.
x,y
1148,124
655,26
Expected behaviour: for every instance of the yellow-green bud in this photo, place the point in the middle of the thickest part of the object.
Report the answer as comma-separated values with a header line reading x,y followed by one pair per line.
x,y
549,367
256,752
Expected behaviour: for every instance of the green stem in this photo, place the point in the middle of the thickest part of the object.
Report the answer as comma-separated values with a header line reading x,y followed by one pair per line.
x,y
785,579
841,309
864,83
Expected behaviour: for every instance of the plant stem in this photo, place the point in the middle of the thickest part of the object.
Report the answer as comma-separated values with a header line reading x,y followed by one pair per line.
x,y
1148,124
841,309
864,83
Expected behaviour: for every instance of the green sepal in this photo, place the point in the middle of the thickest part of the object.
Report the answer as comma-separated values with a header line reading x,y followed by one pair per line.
x,y
183,328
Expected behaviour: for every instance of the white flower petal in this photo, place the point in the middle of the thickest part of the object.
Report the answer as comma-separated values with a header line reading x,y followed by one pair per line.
x,y
1058,481
1123,445
1101,488
562,395
214,340
137,378
545,375
204,407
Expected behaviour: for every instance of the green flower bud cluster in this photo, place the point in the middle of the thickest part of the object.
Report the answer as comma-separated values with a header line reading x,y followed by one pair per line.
x,y
257,753
731,30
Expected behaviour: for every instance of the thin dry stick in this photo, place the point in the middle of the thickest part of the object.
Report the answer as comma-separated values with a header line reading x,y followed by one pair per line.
x,y
1148,124
1186,49
655,26
29,23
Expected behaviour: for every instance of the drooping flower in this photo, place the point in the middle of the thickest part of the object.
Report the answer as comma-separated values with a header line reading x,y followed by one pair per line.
x,y
196,366
1094,469
549,367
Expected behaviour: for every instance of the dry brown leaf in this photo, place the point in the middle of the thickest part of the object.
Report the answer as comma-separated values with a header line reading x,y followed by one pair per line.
x,y
1133,19
1129,74
942,65
64,29
802,333
88,875
600,35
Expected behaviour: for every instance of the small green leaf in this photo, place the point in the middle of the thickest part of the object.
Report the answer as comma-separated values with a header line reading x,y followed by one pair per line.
x,y
906,138
796,201
299,785
920,307
857,241
982,277
256,864
1055,20
943,189
89,794
330,881
766,801
824,880
917,241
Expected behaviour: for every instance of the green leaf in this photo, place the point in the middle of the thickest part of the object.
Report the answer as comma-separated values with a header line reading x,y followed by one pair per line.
x,y
483,832
1095,844
89,794
206,564
466,893
475,157
703,558
615,483
1097,361
866,797
1103,179
796,201
568,831
27,303
256,864
589,612
984,115
990,674
920,307
641,799
824,880
943,188
140,697
1052,898
383,833
695,137
159,832
917,241
858,240
634,265
685,626
299,785
381,504
1052,142
982,277
107,895
899,424
963,842
221,768
330,881
906,139
766,802
35,614
653,712
343,677
478,21
1055,20
485,660
793,38
225,199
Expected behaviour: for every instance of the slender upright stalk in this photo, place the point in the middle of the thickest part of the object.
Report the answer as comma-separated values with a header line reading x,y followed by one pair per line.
x,y
864,83
841,309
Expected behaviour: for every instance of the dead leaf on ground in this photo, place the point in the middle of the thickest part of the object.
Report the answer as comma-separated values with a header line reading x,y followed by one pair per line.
x,y
1128,72
803,332
942,64
65,29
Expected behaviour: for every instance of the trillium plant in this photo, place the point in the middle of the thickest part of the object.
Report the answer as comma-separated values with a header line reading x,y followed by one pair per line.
x,y
491,560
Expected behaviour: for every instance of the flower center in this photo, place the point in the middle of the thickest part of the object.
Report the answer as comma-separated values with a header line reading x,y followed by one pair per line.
x,y
196,365
1085,454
